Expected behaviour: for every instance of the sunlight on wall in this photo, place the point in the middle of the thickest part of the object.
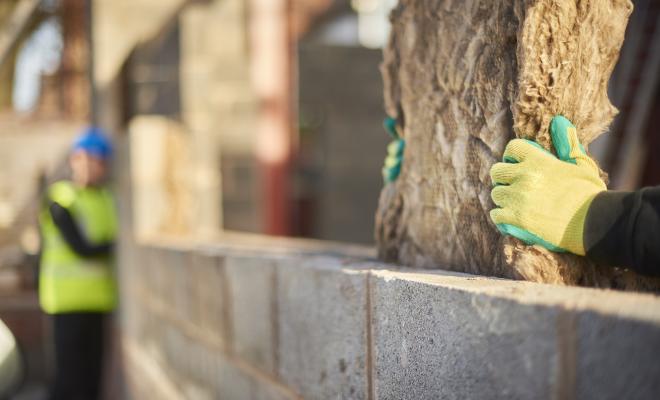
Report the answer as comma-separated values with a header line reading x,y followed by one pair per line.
x,y
40,55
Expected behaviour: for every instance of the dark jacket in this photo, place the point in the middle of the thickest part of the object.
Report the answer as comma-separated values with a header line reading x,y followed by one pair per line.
x,y
623,229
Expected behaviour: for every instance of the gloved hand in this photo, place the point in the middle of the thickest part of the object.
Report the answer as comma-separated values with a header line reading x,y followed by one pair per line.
x,y
543,199
394,158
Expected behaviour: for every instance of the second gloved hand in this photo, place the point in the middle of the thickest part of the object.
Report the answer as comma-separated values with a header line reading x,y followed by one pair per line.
x,y
392,165
542,199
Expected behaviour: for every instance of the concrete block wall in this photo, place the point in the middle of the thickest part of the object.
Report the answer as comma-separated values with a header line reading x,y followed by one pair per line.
x,y
278,319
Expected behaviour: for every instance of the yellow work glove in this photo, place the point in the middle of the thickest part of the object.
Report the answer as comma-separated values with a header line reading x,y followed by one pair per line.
x,y
541,198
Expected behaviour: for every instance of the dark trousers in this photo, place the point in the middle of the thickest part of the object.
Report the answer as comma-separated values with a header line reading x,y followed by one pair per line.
x,y
78,355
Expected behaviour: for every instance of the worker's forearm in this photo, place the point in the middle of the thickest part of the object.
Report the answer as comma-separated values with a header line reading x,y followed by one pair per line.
x,y
623,229
72,235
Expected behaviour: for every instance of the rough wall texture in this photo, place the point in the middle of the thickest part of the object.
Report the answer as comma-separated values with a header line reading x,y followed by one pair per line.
x,y
460,75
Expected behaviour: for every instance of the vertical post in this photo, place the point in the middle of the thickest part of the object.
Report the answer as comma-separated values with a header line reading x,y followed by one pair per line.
x,y
271,63
89,26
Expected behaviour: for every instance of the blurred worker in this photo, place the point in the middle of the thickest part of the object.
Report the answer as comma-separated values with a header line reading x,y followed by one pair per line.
x,y
561,203
76,283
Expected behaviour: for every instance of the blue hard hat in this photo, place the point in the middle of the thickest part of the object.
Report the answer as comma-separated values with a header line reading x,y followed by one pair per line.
x,y
94,141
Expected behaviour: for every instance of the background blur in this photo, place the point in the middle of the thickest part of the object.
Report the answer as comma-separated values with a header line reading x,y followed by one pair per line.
x,y
252,115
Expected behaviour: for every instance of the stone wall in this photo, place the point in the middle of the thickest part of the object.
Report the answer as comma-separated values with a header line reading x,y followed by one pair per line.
x,y
254,318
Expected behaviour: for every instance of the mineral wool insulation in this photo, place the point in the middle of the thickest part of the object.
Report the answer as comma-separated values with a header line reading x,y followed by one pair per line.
x,y
466,77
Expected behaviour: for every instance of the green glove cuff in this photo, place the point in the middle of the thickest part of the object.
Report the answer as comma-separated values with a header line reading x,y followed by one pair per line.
x,y
391,173
559,127
389,124
527,237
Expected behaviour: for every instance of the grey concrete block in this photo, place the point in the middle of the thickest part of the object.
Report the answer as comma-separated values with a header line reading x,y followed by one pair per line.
x,y
180,272
251,284
130,318
208,297
160,275
211,295
234,383
175,348
196,284
209,366
617,358
129,267
322,328
201,368
150,328
231,383
183,360
432,342
148,276
265,391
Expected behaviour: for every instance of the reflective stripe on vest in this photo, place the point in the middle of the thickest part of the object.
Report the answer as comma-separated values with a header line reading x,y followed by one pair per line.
x,y
67,281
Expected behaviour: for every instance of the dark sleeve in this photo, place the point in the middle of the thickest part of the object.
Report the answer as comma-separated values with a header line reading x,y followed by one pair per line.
x,y
623,229
71,233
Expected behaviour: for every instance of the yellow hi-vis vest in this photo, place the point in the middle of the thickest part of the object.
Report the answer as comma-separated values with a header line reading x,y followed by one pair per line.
x,y
69,282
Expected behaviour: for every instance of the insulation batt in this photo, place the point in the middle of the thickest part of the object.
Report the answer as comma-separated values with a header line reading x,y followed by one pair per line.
x,y
466,76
